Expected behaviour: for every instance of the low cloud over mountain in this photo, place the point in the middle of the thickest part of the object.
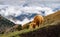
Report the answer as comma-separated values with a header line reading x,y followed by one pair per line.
x,y
19,11
22,14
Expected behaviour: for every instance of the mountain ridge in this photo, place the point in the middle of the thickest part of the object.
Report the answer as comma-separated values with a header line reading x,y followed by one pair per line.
x,y
5,24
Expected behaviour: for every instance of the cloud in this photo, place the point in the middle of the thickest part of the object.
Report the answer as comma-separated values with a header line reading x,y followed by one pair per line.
x,y
17,10
43,3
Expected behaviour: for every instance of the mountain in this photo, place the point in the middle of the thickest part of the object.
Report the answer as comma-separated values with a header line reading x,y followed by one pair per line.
x,y
26,15
5,24
56,9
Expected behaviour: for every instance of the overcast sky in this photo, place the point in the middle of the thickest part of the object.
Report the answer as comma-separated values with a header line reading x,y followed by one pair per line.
x,y
42,3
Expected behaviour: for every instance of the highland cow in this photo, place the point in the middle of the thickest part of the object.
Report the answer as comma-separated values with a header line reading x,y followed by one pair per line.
x,y
38,20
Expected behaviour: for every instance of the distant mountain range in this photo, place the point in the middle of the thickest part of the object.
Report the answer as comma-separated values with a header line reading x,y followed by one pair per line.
x,y
56,9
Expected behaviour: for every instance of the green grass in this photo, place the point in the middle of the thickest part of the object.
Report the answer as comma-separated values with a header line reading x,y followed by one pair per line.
x,y
17,33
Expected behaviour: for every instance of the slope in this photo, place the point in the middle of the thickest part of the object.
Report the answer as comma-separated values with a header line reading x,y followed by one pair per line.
x,y
5,24
52,18
50,28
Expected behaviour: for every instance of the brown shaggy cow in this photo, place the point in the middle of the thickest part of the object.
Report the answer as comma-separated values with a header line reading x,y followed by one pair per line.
x,y
38,20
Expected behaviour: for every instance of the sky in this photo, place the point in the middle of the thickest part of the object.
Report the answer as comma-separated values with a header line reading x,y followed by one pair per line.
x,y
42,3
15,6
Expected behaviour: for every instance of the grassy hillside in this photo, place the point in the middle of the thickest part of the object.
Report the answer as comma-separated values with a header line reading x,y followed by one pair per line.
x,y
52,18
50,28
47,31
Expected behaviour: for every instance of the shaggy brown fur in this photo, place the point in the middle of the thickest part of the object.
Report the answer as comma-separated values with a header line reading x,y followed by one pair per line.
x,y
32,25
38,20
